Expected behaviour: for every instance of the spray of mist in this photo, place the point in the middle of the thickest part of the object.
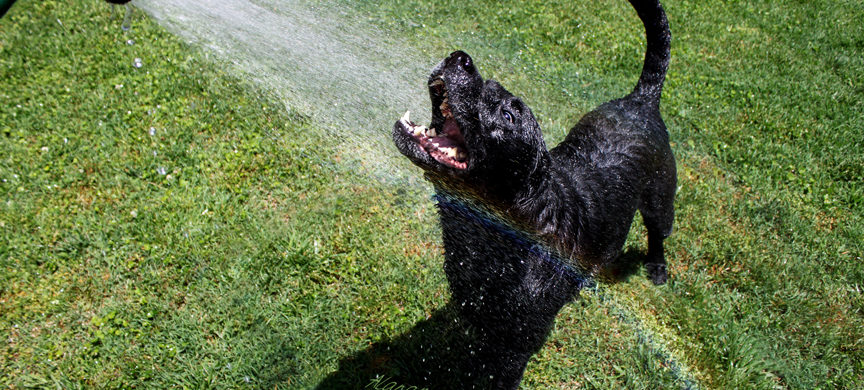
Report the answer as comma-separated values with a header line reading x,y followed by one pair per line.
x,y
349,76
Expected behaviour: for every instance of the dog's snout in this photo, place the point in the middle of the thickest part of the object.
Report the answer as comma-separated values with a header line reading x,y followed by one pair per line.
x,y
462,60
465,62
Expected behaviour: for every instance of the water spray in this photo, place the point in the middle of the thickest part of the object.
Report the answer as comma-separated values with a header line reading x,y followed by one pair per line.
x,y
345,74
127,24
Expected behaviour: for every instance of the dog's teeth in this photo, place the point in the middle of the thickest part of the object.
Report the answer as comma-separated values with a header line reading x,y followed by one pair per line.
x,y
419,130
461,155
407,117
436,83
431,133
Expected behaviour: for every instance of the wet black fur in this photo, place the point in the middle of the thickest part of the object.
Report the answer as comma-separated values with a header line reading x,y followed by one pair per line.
x,y
577,199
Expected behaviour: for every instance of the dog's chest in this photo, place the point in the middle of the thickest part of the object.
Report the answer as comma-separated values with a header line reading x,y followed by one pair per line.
x,y
489,255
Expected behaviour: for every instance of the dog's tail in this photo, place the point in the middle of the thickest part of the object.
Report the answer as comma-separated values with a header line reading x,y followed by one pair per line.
x,y
650,84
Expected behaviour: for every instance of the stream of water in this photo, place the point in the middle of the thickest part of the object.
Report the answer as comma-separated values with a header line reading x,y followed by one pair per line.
x,y
348,75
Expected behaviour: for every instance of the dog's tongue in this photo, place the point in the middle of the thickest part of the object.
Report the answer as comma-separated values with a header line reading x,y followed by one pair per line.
x,y
450,136
451,130
444,142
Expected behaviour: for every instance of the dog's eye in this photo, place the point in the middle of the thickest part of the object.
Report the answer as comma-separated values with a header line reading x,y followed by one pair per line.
x,y
508,116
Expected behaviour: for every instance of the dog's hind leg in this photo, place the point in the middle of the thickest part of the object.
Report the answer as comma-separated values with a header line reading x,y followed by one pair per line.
x,y
658,214
655,265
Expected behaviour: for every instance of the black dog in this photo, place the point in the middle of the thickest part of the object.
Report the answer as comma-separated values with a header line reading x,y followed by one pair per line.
x,y
510,209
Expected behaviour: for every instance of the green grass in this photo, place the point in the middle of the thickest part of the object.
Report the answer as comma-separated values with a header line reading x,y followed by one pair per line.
x,y
236,246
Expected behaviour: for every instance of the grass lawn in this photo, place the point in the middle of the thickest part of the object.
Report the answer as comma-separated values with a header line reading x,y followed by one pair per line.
x,y
174,224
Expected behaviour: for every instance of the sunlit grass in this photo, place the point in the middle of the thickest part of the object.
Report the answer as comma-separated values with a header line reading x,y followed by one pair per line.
x,y
172,224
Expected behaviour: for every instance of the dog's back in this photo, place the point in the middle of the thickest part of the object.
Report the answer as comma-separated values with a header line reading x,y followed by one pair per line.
x,y
619,157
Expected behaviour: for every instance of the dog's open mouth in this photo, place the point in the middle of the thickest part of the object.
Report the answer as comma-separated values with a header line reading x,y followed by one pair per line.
x,y
444,142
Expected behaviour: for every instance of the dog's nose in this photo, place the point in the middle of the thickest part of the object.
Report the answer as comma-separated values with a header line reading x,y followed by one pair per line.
x,y
462,60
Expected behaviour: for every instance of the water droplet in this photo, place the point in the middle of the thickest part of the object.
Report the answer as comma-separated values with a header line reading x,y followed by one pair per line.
x,y
152,131
161,171
127,22
137,63
130,42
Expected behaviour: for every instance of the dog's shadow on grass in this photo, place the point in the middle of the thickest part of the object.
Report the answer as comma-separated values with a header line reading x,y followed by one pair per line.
x,y
436,353
622,269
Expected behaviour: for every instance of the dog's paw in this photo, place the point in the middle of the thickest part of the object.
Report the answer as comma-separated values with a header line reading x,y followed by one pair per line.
x,y
657,273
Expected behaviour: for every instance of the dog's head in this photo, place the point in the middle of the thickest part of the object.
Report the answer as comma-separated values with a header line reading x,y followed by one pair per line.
x,y
481,138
